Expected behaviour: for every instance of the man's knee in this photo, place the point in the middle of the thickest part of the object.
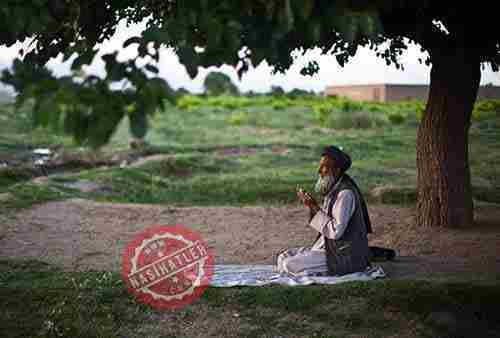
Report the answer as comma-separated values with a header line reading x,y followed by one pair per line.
x,y
292,265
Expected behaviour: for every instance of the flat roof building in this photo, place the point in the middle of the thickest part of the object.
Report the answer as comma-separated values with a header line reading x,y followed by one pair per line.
x,y
397,92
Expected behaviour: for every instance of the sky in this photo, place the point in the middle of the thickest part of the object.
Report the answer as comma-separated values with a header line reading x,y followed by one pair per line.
x,y
364,68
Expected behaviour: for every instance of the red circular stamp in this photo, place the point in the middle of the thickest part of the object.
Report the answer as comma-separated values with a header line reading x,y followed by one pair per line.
x,y
167,267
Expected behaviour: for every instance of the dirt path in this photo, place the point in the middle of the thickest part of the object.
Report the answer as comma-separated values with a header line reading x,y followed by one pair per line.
x,y
79,234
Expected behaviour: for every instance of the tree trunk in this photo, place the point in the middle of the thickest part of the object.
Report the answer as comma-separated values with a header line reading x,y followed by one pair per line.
x,y
443,175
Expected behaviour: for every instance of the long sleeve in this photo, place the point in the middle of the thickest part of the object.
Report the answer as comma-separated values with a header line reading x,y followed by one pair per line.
x,y
334,227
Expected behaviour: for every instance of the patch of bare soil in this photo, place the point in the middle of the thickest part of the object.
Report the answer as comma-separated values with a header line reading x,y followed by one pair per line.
x,y
85,186
79,235
152,158
235,151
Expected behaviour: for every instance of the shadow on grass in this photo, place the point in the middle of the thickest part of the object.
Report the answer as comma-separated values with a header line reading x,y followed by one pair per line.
x,y
52,302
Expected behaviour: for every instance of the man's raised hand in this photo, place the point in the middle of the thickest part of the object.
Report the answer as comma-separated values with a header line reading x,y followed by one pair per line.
x,y
308,200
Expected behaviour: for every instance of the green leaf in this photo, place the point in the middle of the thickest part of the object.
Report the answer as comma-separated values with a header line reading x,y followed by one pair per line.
x,y
83,59
104,123
115,70
138,123
189,59
303,8
47,106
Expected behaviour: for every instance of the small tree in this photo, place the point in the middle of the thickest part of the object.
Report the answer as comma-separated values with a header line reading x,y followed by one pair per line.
x,y
217,83
277,91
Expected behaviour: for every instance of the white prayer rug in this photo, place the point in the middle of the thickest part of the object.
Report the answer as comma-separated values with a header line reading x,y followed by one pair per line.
x,y
257,275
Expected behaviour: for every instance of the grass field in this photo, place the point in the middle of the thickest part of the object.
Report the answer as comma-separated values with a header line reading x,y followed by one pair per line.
x,y
239,151
278,141
39,300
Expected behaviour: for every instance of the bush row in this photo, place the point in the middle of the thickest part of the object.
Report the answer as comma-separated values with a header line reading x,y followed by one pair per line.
x,y
330,111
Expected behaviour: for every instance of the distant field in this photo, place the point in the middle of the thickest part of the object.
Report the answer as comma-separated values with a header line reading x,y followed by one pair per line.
x,y
254,150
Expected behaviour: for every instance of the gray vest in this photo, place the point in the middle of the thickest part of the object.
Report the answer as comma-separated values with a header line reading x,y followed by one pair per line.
x,y
350,253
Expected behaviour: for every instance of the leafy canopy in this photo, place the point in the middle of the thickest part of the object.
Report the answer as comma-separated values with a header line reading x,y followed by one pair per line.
x,y
207,33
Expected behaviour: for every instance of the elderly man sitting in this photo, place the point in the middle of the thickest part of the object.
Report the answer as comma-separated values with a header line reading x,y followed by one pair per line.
x,y
342,223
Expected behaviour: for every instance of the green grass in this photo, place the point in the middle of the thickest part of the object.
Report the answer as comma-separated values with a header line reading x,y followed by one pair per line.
x,y
198,175
52,302
382,155
263,177
279,139
374,309
24,195
260,176
18,136
10,176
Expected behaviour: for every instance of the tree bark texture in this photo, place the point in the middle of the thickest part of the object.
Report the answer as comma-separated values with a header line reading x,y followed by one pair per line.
x,y
443,174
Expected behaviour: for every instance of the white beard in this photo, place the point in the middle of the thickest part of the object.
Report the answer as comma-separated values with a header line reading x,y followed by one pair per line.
x,y
323,184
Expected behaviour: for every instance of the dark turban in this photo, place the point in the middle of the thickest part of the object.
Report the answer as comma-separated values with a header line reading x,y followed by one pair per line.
x,y
342,160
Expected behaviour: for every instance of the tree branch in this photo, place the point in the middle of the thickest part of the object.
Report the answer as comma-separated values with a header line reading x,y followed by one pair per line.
x,y
416,26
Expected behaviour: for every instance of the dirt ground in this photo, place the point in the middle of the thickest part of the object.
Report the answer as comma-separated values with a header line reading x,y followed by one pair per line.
x,y
79,235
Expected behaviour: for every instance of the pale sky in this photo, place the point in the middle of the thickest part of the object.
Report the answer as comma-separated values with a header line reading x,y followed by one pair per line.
x,y
364,68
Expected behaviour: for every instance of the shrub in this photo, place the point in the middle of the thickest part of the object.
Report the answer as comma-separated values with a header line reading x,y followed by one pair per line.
x,y
322,114
480,115
228,102
486,109
483,110
280,104
488,105
396,118
189,102
375,108
420,111
350,106
230,105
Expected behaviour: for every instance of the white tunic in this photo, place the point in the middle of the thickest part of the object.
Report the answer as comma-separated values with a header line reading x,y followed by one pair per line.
x,y
312,260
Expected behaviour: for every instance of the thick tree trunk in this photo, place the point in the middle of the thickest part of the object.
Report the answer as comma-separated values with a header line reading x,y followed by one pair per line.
x,y
443,175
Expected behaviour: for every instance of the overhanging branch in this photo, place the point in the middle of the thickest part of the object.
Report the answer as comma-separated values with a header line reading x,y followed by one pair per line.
x,y
414,25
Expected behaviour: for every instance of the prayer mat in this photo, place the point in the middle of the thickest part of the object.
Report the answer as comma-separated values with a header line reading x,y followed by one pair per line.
x,y
257,275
